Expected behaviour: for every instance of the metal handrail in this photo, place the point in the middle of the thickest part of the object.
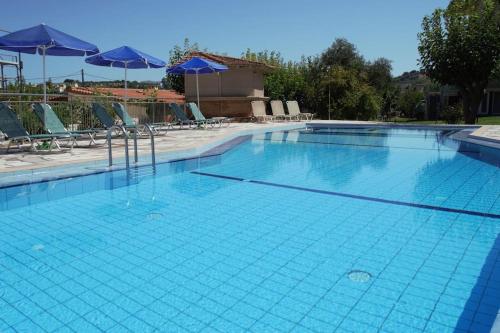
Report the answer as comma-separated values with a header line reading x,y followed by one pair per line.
x,y
151,134
110,149
109,138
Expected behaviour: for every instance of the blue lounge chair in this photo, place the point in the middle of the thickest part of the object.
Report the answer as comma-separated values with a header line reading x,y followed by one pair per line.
x,y
11,126
199,117
102,115
124,116
180,116
130,123
53,125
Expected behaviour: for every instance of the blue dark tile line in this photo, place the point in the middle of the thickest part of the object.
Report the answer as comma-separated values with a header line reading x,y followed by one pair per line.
x,y
355,196
372,146
217,176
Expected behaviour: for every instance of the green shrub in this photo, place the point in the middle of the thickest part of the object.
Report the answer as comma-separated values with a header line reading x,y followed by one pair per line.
x,y
453,114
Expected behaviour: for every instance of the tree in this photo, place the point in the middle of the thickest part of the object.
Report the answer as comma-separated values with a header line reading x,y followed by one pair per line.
x,y
460,46
176,82
379,74
338,79
408,101
342,53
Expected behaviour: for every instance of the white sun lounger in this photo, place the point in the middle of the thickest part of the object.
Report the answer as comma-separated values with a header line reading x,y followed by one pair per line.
x,y
259,111
279,111
294,110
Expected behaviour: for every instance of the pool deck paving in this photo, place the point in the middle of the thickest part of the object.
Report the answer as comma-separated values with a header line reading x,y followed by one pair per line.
x,y
487,132
174,141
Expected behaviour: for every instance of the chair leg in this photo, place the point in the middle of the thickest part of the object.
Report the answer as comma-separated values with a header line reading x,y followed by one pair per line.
x,y
51,144
92,139
55,142
32,145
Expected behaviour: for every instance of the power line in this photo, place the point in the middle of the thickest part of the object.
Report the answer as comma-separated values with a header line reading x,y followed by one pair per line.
x,y
101,77
55,76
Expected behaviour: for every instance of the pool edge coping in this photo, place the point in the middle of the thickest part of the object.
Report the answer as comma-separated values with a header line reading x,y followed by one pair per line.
x,y
71,170
469,138
37,175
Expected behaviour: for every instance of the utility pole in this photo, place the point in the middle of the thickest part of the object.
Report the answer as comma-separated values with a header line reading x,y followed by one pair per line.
x,y
83,78
20,72
3,81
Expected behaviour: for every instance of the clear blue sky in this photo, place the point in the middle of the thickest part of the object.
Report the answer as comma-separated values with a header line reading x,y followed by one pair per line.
x,y
379,28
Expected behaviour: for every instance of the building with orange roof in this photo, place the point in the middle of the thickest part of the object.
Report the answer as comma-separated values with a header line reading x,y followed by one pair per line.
x,y
228,93
159,95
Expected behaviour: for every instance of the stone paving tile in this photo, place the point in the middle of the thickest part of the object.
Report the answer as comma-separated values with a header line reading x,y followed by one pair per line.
x,y
489,132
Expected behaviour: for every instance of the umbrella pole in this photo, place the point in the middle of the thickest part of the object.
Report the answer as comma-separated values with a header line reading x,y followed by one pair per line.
x,y
197,90
125,85
44,81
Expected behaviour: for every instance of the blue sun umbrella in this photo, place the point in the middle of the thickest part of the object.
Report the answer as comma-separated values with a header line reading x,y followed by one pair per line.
x,y
197,65
125,57
45,40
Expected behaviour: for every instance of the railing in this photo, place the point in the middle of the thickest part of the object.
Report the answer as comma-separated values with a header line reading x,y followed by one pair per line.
x,y
125,135
8,57
109,138
75,112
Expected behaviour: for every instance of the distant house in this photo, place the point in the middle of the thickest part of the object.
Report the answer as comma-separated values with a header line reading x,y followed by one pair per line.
x,y
490,105
229,93
146,105
160,95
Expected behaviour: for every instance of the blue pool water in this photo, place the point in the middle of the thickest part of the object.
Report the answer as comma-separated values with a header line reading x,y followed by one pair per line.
x,y
326,230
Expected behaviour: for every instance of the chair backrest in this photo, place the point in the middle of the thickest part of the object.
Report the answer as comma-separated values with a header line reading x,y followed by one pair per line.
x,y
196,111
49,118
10,125
123,114
101,114
277,108
293,108
179,114
259,108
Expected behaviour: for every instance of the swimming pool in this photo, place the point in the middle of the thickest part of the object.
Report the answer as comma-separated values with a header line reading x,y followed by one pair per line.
x,y
312,230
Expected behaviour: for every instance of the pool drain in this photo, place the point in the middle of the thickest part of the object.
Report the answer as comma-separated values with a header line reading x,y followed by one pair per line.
x,y
40,267
38,247
154,216
359,276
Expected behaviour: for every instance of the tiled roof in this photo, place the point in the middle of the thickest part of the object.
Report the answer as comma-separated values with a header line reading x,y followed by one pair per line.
x,y
229,61
159,94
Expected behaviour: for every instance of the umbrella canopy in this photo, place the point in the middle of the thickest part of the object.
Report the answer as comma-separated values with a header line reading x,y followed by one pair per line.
x,y
45,40
125,57
197,65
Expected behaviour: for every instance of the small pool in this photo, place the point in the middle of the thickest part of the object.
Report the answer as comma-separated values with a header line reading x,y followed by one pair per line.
x,y
310,230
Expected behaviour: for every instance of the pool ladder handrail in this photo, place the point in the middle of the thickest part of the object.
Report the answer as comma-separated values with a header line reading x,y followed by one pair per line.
x,y
109,138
